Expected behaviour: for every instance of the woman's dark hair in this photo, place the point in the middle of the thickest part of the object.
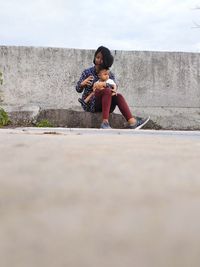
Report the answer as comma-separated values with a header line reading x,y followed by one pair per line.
x,y
107,57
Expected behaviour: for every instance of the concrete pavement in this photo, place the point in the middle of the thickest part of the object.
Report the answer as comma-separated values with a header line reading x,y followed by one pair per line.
x,y
89,197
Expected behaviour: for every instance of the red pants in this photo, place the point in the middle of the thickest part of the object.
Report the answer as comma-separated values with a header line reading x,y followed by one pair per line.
x,y
106,103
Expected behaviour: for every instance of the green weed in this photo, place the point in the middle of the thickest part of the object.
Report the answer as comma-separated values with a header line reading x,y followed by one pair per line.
x,y
4,118
44,123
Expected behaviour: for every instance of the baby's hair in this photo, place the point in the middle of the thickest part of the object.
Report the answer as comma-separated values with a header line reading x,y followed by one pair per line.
x,y
103,68
107,57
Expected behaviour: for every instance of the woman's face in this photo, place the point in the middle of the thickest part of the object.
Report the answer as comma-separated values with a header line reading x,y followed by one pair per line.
x,y
98,59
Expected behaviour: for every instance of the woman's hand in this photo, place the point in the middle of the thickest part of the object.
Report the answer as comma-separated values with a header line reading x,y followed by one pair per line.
x,y
88,81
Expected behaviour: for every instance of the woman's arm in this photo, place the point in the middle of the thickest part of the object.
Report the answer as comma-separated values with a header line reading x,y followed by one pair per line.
x,y
114,89
112,77
79,88
87,99
83,82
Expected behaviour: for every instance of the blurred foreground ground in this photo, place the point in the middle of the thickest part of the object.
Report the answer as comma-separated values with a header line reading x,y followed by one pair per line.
x,y
99,198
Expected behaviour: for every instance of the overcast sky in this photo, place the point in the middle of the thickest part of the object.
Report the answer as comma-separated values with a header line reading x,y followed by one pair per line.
x,y
156,25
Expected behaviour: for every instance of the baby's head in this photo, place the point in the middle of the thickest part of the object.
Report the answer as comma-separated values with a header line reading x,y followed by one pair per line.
x,y
103,74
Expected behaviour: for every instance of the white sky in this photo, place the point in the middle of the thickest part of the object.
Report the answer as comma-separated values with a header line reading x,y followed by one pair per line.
x,y
156,25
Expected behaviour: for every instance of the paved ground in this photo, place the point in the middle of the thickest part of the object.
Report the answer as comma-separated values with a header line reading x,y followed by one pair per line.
x,y
99,198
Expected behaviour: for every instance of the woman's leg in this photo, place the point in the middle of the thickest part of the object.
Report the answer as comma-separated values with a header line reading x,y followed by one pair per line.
x,y
106,103
118,100
103,102
123,107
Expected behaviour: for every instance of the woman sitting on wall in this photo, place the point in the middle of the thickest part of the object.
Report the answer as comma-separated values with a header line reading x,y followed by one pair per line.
x,y
103,99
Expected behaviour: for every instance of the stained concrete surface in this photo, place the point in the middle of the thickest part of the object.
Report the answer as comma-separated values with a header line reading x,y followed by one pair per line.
x,y
88,197
163,85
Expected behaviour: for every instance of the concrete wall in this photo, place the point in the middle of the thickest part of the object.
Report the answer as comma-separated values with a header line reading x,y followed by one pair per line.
x,y
164,85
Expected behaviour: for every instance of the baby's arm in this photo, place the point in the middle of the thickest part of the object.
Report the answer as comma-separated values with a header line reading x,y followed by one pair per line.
x,y
87,99
99,85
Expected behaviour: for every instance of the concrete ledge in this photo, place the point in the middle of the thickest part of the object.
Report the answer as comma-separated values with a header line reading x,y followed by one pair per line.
x,y
67,118
161,118
170,118
79,119
22,115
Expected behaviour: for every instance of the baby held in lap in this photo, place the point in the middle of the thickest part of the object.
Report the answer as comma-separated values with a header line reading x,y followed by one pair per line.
x,y
107,83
